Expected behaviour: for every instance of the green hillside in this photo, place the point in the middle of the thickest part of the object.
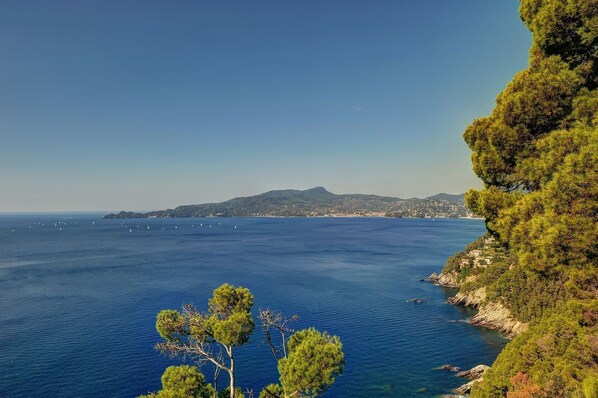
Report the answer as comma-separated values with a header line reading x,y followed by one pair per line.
x,y
316,202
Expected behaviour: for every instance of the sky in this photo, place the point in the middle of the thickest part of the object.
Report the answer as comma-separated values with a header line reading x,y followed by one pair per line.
x,y
142,105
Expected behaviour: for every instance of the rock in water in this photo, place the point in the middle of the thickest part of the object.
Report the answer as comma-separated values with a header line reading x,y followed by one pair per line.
x,y
417,300
450,368
474,373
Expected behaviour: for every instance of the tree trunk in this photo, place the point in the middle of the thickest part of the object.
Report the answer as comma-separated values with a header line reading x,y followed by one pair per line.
x,y
231,372
216,382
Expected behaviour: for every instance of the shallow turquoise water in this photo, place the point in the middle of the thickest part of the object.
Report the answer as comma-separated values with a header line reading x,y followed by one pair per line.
x,y
79,295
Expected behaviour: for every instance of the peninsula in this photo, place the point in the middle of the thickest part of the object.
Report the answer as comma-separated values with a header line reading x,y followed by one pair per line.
x,y
316,202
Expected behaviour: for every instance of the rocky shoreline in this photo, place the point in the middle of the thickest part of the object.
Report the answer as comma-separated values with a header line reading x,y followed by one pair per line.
x,y
491,315
446,280
475,374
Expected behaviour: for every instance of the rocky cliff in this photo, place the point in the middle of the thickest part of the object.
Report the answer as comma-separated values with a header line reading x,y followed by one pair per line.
x,y
491,314
447,280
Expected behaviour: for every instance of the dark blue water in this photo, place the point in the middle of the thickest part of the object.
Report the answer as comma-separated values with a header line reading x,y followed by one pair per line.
x,y
79,295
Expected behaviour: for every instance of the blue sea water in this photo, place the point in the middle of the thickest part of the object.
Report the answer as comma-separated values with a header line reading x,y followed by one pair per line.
x,y
79,295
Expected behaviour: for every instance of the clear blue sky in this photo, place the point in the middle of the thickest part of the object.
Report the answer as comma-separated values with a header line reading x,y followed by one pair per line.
x,y
138,105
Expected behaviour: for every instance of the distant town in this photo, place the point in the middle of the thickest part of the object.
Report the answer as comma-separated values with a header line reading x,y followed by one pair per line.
x,y
317,202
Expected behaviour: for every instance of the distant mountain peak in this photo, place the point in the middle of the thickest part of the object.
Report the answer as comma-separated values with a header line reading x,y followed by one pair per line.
x,y
459,198
316,202
318,190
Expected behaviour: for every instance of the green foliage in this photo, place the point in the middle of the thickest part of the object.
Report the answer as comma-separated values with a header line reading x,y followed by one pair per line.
x,y
494,147
550,152
557,225
526,293
462,265
182,382
228,321
537,154
490,202
582,283
488,277
559,354
272,391
568,28
226,393
535,101
314,360
453,263
590,387
311,362
585,109
227,324
235,329
171,325
228,299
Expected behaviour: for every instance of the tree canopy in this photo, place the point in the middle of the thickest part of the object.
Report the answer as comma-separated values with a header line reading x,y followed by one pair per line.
x,y
308,360
537,152
183,381
314,360
537,155
227,324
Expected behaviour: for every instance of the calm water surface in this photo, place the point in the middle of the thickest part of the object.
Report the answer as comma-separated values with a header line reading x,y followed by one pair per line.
x,y
79,295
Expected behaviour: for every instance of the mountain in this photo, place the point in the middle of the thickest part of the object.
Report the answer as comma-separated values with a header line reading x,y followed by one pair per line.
x,y
314,202
449,197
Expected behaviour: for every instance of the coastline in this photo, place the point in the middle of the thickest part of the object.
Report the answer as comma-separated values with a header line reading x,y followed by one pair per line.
x,y
339,215
491,314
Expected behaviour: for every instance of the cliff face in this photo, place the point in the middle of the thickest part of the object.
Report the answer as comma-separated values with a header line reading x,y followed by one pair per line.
x,y
492,314
498,317
473,298
450,279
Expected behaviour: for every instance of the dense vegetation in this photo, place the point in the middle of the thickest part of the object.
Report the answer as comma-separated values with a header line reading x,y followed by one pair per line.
x,y
308,360
537,154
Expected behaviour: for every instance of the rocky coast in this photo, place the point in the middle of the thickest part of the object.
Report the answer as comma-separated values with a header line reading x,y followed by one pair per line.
x,y
491,314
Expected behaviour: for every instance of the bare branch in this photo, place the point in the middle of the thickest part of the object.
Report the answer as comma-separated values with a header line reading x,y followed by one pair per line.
x,y
199,351
274,320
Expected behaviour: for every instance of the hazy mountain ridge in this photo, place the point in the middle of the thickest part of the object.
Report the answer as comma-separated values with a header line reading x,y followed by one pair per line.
x,y
449,197
315,202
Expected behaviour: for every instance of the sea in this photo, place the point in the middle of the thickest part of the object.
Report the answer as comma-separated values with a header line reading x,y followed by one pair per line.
x,y
79,297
